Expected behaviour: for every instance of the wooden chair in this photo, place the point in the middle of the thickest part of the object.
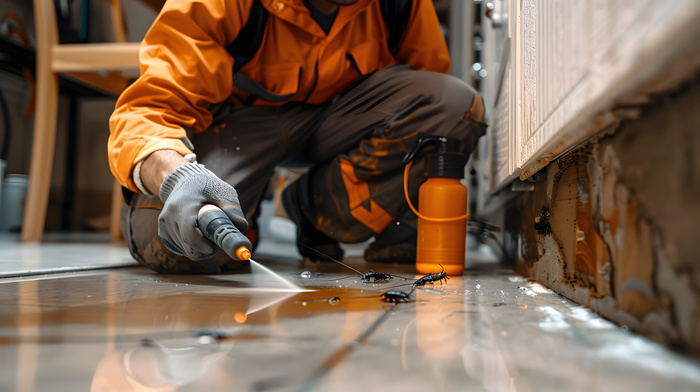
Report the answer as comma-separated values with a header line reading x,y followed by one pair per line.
x,y
96,65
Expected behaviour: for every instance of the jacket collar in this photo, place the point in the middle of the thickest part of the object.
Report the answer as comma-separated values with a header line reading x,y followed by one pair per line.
x,y
295,12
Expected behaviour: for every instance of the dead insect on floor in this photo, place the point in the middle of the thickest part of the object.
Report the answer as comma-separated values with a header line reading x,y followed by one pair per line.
x,y
369,277
395,296
432,278
375,277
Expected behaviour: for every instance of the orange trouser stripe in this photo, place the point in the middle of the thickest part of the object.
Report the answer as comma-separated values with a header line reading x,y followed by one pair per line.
x,y
376,218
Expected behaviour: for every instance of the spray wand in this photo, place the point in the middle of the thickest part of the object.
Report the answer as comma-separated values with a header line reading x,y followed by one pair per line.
x,y
219,229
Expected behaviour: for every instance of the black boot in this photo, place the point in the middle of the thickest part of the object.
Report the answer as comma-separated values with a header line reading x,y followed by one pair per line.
x,y
396,244
311,243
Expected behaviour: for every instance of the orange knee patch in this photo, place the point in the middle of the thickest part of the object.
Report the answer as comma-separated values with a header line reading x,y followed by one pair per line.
x,y
375,218
476,111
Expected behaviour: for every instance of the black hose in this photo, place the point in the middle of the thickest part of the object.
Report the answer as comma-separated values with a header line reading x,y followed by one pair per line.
x,y
6,125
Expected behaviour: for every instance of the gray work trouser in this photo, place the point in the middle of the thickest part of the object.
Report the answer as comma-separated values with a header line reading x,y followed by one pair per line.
x,y
354,145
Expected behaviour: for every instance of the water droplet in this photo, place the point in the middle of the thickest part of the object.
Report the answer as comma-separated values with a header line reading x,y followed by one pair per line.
x,y
334,301
303,303
624,328
206,340
238,148
306,274
478,286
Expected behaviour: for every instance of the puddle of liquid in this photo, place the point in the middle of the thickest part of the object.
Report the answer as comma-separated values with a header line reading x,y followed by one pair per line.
x,y
186,313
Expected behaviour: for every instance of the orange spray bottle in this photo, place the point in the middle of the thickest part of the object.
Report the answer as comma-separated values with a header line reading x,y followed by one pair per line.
x,y
442,206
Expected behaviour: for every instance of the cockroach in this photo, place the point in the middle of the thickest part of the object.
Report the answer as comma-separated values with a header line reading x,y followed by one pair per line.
x,y
432,278
369,277
395,296
374,277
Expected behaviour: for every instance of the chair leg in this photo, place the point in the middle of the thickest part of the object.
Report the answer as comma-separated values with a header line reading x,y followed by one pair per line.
x,y
118,20
115,230
43,147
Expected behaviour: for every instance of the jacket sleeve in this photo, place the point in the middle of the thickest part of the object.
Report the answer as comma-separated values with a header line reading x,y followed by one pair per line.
x,y
184,69
423,45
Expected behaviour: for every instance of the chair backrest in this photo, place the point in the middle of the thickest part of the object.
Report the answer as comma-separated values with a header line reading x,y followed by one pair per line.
x,y
85,63
82,57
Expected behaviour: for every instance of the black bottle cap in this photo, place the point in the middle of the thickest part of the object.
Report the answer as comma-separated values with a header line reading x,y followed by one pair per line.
x,y
446,164
446,161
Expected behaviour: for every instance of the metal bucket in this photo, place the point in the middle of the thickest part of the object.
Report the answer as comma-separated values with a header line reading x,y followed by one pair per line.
x,y
14,193
3,164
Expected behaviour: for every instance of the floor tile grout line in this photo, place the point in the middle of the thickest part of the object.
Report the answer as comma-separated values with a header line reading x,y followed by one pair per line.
x,y
61,270
344,351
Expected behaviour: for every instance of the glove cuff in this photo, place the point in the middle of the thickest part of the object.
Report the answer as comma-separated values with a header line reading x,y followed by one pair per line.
x,y
178,175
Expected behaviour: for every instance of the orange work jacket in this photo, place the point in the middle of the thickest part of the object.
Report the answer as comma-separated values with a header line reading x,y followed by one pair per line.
x,y
185,67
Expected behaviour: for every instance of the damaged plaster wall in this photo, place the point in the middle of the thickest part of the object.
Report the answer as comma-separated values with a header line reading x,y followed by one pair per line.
x,y
614,225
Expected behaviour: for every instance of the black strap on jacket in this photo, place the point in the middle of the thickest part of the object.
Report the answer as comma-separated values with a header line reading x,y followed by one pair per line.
x,y
249,39
396,14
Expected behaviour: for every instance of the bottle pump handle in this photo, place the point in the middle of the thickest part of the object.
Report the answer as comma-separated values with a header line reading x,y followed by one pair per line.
x,y
445,145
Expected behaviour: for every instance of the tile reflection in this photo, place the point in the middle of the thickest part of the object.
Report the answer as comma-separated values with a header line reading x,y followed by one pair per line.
x,y
154,367
28,321
440,322
132,330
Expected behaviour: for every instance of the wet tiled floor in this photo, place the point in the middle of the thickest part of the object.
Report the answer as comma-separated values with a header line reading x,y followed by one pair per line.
x,y
123,328
59,253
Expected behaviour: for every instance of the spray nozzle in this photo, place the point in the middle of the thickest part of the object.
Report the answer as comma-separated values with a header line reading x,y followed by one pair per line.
x,y
447,161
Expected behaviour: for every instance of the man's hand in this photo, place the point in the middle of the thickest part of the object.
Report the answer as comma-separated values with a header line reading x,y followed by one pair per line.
x,y
184,189
184,192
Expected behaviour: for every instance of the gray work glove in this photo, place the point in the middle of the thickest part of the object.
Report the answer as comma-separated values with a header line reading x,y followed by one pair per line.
x,y
183,193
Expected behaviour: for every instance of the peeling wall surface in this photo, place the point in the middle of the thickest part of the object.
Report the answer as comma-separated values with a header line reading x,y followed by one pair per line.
x,y
614,225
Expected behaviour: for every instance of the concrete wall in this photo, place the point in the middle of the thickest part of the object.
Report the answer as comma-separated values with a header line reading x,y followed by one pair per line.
x,y
614,223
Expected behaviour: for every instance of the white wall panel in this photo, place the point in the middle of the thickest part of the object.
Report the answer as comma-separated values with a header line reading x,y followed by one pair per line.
x,y
501,137
569,60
